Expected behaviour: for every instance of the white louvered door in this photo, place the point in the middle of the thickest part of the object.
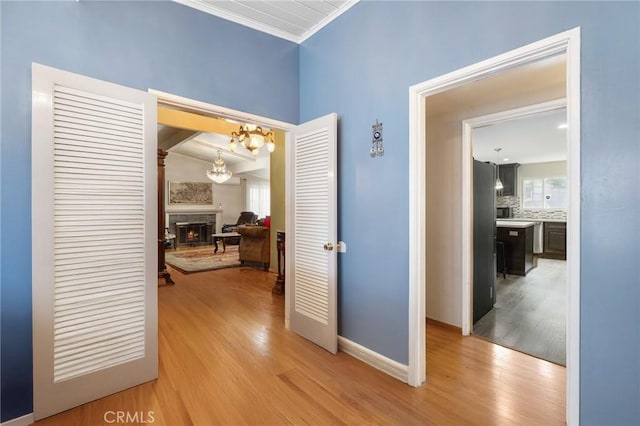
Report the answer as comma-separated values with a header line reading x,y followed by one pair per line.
x,y
94,246
311,240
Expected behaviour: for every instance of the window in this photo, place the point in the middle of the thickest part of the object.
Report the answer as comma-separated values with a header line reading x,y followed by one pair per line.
x,y
544,193
259,197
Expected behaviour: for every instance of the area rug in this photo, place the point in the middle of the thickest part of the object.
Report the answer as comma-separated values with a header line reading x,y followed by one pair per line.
x,y
202,259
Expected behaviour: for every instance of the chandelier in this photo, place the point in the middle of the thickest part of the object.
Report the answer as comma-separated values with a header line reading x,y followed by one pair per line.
x,y
219,172
252,138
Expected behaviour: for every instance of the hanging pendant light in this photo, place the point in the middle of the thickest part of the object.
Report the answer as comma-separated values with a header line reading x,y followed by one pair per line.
x,y
219,172
499,185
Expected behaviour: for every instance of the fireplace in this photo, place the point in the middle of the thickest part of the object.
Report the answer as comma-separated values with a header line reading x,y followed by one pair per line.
x,y
193,233
192,229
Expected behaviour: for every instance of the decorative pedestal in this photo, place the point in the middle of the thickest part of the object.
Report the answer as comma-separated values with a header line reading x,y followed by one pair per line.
x,y
278,288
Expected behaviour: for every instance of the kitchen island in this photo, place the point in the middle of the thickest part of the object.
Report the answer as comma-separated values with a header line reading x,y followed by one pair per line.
x,y
517,237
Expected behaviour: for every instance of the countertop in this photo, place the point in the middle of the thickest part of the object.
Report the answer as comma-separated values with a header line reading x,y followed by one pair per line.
x,y
514,224
528,219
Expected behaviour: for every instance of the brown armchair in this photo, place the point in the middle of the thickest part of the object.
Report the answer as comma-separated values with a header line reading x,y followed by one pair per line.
x,y
254,244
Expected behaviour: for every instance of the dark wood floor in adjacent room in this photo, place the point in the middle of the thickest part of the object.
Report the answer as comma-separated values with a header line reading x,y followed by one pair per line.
x,y
530,313
226,359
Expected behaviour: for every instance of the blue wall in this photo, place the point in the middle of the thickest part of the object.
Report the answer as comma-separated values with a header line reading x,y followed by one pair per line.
x,y
160,45
361,67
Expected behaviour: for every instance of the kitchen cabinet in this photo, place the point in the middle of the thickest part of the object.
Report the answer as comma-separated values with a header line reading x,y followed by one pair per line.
x,y
509,176
517,238
555,240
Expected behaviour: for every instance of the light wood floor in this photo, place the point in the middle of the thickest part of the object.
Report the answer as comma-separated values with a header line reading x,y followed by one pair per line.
x,y
226,359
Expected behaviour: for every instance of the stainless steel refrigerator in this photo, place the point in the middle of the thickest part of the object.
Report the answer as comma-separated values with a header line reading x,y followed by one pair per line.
x,y
484,239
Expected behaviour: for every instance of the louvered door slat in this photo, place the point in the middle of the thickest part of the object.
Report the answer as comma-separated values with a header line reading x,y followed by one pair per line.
x,y
79,205
311,184
125,144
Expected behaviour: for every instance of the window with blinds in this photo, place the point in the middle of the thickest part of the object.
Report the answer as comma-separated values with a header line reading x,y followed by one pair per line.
x,y
99,233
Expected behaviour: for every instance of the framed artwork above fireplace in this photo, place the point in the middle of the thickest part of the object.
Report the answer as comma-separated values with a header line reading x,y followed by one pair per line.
x,y
190,193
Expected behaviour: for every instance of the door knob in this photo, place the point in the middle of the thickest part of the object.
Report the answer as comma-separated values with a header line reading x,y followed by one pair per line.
x,y
328,247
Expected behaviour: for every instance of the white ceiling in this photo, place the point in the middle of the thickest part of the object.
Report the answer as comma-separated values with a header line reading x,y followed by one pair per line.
x,y
205,146
293,20
531,139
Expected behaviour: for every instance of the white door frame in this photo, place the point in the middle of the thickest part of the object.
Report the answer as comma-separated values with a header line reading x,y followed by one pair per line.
x,y
566,42
241,116
467,192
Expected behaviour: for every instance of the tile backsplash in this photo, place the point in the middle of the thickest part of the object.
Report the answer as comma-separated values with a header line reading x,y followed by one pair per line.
x,y
514,203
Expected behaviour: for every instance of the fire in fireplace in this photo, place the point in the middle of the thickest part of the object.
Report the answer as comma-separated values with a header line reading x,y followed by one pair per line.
x,y
193,233
191,229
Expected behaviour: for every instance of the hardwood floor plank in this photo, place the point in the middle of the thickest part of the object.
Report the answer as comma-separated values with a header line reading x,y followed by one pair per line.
x,y
226,359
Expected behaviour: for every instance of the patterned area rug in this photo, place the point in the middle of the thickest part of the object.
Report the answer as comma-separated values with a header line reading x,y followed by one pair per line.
x,y
202,259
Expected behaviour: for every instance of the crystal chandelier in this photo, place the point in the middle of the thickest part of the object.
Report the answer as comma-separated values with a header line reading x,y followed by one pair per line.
x,y
219,172
252,138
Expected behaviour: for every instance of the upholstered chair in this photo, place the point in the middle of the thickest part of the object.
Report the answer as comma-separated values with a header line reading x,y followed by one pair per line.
x,y
254,244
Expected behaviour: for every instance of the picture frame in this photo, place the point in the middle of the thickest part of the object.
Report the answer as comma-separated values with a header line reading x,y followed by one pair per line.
x,y
190,193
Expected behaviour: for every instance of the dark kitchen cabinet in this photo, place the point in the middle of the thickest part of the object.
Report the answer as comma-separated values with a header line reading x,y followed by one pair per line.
x,y
509,176
518,248
555,240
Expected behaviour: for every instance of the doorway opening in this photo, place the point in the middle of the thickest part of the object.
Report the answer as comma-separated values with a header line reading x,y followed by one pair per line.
x,y
309,174
192,135
519,256
460,260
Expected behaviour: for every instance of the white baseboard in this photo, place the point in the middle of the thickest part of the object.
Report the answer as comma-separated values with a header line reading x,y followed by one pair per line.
x,y
374,359
25,420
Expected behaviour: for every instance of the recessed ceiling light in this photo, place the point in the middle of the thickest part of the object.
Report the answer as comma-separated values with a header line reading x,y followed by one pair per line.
x,y
562,126
506,159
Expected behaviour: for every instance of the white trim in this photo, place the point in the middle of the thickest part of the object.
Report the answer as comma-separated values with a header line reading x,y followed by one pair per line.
x,y
467,229
374,359
416,374
265,28
573,226
569,42
25,420
288,223
512,114
467,190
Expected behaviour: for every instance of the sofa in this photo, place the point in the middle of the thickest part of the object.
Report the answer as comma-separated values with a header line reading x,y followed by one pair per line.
x,y
254,244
